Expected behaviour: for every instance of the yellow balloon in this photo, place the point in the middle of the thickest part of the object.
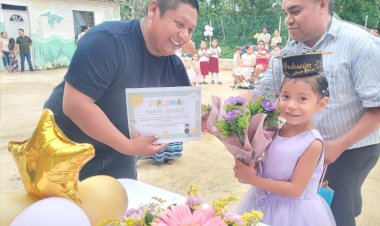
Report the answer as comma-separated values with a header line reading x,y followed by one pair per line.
x,y
256,36
11,204
102,197
48,162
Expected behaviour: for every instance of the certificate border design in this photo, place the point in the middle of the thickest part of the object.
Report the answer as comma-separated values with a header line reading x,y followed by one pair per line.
x,y
138,95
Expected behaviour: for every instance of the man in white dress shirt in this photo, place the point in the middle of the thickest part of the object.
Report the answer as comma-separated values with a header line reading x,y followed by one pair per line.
x,y
350,123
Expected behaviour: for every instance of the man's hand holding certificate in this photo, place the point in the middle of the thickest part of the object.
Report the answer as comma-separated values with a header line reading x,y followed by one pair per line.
x,y
172,113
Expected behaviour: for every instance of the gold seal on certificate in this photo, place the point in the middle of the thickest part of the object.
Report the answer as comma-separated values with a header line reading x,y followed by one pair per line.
x,y
172,113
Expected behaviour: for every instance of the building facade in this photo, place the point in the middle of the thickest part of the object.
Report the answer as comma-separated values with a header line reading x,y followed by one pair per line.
x,y
54,25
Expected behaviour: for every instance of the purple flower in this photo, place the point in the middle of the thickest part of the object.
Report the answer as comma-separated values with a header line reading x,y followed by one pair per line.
x,y
231,115
193,201
268,105
136,213
234,100
232,217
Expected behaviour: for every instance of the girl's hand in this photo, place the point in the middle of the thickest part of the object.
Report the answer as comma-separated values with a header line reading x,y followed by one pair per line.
x,y
245,173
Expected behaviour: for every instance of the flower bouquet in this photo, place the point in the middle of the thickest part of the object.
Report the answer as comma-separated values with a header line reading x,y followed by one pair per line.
x,y
246,129
193,212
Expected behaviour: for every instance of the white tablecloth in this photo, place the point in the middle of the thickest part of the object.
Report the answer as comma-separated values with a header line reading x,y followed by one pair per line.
x,y
140,193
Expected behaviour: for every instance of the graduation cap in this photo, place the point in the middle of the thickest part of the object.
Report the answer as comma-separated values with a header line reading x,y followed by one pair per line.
x,y
304,64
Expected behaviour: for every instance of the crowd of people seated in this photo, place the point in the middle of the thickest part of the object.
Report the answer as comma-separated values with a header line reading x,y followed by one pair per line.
x,y
251,61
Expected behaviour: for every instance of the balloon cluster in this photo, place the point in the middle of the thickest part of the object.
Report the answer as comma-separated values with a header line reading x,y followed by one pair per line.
x,y
208,31
49,164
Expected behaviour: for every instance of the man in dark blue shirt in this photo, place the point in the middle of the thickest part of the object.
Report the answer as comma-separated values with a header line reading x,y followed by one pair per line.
x,y
90,105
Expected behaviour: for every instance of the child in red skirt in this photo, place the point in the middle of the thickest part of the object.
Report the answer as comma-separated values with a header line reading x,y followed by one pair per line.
x,y
204,56
215,53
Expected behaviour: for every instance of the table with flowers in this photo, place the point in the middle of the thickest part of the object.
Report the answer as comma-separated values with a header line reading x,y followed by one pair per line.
x,y
140,193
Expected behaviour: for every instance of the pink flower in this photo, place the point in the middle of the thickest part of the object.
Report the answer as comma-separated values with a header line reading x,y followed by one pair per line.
x,y
182,216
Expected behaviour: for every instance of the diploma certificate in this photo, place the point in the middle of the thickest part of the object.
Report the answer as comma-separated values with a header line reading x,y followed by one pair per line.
x,y
172,113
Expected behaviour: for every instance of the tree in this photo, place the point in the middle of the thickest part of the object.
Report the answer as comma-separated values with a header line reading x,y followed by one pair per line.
x,y
356,10
133,9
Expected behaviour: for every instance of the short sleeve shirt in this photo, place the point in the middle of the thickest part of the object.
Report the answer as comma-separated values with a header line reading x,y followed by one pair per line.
x,y
110,58
24,44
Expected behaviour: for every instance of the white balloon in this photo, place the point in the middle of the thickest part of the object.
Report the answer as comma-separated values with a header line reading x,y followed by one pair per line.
x,y
210,33
207,27
211,29
52,211
205,33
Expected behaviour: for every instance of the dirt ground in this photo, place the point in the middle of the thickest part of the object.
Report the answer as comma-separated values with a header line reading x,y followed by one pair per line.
x,y
205,163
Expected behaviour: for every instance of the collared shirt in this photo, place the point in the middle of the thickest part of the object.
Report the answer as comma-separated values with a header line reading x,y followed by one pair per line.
x,y
353,73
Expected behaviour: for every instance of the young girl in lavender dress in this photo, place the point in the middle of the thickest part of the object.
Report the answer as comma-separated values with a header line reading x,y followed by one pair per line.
x,y
286,189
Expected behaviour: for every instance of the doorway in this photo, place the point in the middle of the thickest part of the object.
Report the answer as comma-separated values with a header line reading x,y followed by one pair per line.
x,y
15,17
82,18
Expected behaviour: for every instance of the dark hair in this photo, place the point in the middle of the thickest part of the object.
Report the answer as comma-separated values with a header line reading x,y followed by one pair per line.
x,y
20,29
173,4
318,83
11,44
2,33
237,48
248,46
83,28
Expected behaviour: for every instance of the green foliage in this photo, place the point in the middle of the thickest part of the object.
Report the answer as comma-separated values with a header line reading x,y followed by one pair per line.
x,y
230,107
356,10
133,9
236,21
236,127
149,218
206,109
272,113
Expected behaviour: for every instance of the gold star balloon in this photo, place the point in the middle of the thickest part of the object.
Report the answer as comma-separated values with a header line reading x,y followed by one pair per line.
x,y
49,163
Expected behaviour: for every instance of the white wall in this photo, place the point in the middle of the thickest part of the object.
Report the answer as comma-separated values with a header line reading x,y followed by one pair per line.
x,y
54,40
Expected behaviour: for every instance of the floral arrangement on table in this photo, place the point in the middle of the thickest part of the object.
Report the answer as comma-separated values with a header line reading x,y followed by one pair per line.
x,y
246,129
191,213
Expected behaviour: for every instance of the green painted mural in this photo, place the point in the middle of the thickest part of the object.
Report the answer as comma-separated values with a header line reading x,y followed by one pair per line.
x,y
53,52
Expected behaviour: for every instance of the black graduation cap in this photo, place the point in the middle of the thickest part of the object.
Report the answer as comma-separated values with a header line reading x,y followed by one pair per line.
x,y
303,64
